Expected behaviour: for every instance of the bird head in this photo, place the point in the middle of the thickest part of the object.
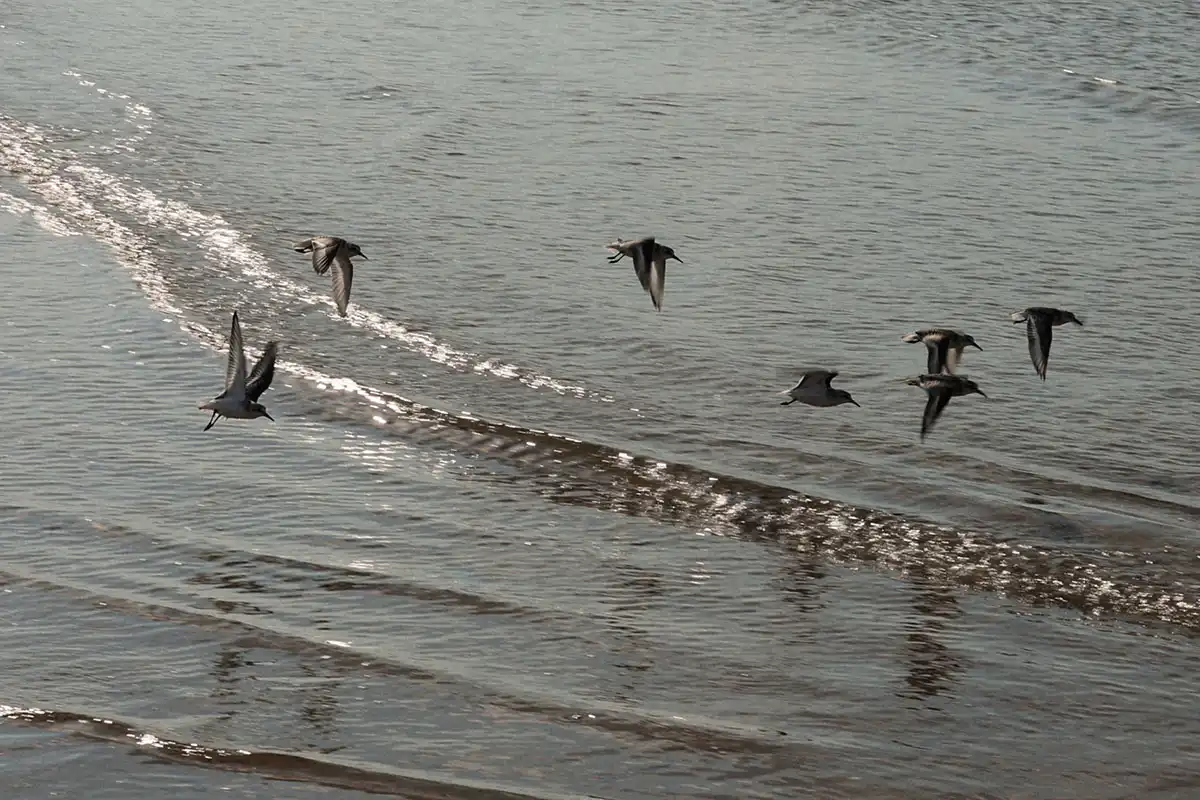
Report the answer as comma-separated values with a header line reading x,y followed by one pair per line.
x,y
259,410
844,397
669,253
972,388
355,250
969,341
1069,317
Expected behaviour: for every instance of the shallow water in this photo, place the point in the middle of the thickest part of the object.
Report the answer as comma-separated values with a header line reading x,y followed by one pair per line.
x,y
513,531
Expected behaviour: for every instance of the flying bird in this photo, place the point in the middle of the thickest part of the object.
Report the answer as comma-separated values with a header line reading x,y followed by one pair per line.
x,y
240,398
940,388
814,390
945,347
649,262
330,250
1039,329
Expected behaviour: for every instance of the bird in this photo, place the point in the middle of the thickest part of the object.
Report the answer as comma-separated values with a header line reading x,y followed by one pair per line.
x,y
814,390
239,400
649,262
1039,329
327,250
940,388
945,347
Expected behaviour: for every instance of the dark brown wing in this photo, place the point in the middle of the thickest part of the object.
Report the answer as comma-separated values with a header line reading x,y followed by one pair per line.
x,y
235,363
658,280
642,252
939,398
343,277
939,348
263,373
325,250
1040,333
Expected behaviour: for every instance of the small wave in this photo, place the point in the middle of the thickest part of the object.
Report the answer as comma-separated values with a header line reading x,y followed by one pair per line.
x,y
1026,46
324,771
132,251
697,732
136,114
379,92
25,151
227,248
42,215
569,470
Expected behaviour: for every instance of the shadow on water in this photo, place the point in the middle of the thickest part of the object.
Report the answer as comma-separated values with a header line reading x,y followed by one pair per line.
x,y
933,667
319,707
633,643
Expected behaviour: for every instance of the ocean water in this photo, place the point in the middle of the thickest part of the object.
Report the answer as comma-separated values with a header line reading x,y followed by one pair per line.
x,y
514,534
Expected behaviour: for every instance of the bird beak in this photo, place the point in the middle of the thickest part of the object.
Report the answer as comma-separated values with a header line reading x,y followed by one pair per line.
x,y
268,416
852,400
985,397
977,347
364,257
677,258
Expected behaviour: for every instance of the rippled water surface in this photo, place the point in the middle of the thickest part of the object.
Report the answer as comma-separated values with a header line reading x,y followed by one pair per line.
x,y
516,535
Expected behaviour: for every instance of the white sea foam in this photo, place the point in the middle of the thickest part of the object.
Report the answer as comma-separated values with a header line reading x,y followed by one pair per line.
x,y
74,189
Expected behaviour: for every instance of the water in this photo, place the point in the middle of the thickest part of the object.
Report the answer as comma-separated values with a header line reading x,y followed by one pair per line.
x,y
515,534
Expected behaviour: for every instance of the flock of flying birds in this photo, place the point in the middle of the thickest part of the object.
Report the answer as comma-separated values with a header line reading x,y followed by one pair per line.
x,y
945,347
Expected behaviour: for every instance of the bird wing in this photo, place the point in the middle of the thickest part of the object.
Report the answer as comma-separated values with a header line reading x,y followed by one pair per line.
x,y
343,276
939,347
641,261
814,376
658,280
939,398
263,372
953,358
309,245
325,250
235,366
810,379
1040,333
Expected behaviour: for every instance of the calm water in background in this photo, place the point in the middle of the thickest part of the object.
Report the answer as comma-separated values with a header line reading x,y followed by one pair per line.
x,y
515,532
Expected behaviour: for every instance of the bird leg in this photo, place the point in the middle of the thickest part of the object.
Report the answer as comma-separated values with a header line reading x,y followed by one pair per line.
x,y
788,402
211,422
